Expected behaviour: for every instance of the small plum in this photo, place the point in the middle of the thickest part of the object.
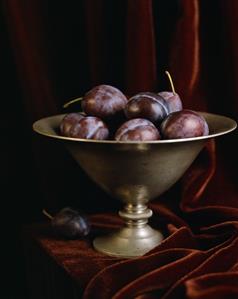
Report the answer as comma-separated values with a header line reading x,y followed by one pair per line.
x,y
104,101
137,129
172,101
147,105
184,124
69,223
68,121
89,127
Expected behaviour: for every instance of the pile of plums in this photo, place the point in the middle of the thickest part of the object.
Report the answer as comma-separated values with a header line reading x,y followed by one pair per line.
x,y
108,114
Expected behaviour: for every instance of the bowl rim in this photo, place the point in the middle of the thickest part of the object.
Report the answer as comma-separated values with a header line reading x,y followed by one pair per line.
x,y
37,127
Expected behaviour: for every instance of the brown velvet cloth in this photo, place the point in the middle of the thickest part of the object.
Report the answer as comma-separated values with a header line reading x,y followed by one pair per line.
x,y
63,51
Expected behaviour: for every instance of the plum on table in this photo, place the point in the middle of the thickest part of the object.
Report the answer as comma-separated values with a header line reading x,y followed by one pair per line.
x,y
69,223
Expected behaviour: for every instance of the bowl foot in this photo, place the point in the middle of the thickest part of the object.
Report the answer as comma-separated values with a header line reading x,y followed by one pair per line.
x,y
129,242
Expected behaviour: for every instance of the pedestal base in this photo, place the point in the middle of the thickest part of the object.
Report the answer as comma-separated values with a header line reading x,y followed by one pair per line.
x,y
129,242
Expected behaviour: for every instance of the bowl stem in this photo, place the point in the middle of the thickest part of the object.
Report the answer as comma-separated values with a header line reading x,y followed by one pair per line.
x,y
135,215
136,237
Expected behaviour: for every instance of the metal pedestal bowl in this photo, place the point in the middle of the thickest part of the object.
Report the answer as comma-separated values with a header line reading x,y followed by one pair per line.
x,y
135,173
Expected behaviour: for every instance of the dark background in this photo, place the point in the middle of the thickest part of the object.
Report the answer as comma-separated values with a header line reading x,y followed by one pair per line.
x,y
53,51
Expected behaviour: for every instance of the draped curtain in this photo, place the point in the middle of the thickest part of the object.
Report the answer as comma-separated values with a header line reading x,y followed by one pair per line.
x,y
60,50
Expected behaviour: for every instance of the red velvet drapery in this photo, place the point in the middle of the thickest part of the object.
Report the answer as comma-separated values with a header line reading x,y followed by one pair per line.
x,y
62,50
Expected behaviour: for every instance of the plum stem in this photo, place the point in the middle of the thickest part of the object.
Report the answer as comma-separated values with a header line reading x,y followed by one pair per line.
x,y
72,101
47,214
171,81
